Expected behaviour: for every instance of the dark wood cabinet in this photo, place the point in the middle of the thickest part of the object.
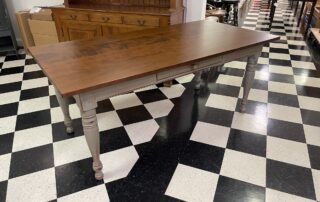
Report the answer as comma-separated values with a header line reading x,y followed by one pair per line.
x,y
79,19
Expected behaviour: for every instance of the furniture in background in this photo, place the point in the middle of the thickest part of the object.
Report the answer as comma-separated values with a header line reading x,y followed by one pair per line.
x,y
142,58
307,15
308,21
79,19
216,12
7,38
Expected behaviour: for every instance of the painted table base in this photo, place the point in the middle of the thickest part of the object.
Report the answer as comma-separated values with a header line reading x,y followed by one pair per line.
x,y
87,102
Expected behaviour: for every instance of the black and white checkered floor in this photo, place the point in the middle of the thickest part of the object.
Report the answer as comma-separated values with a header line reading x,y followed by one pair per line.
x,y
166,144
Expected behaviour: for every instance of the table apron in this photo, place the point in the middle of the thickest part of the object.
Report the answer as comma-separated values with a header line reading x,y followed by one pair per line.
x,y
89,99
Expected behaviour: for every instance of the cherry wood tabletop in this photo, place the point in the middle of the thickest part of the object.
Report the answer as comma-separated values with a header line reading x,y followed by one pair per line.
x,y
80,66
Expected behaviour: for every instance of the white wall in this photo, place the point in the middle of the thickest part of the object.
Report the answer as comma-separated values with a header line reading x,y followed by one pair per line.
x,y
195,10
17,5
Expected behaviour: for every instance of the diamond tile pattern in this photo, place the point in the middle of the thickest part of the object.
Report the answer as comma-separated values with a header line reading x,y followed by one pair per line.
x,y
172,144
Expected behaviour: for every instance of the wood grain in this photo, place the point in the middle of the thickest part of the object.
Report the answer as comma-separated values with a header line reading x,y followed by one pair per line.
x,y
79,66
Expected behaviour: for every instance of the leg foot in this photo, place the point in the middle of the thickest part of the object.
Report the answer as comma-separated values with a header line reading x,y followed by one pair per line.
x,y
167,83
64,105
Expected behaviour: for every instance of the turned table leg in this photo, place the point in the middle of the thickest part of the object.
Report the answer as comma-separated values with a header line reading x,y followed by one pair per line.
x,y
91,132
64,105
197,78
248,79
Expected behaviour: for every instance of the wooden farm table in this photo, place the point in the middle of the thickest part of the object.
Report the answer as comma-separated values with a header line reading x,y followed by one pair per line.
x,y
94,70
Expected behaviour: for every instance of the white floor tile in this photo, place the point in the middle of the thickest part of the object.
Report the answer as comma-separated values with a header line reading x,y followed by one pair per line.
x,y
34,83
11,78
236,64
5,166
192,184
70,150
7,124
297,43
118,163
288,151
312,134
57,115
108,120
210,134
280,87
31,105
280,69
14,63
309,103
229,80
264,61
33,137
10,97
303,65
279,56
97,194
250,123
299,52
307,81
31,68
256,95
278,45
142,132
222,102
274,195
262,75
284,113
125,101
173,91
185,79
38,186
159,108
244,167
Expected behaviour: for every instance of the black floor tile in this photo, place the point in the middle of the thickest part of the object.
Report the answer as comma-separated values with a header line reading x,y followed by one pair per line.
x,y
133,114
217,116
232,71
3,190
9,109
286,130
151,96
222,89
6,142
280,62
74,177
121,190
314,154
30,61
247,142
290,179
310,117
231,190
104,106
297,47
260,84
33,119
15,57
262,67
59,130
283,99
33,75
308,91
13,70
34,93
31,160
301,58
306,72
53,101
202,156
10,87
281,78
114,139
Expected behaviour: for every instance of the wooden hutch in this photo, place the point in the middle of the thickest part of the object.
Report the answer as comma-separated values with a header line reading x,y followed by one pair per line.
x,y
86,19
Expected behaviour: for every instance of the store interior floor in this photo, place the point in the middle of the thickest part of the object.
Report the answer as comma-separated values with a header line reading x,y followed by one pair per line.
x,y
177,143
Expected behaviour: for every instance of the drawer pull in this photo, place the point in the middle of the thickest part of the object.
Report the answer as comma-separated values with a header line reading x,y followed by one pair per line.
x,y
141,22
105,19
73,17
